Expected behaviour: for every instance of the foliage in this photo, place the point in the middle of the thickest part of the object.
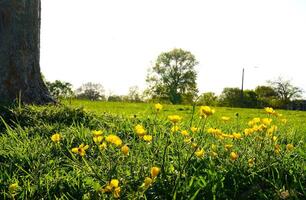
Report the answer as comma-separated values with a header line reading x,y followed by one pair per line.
x,y
230,97
285,90
173,76
266,96
134,94
91,91
208,98
179,162
60,89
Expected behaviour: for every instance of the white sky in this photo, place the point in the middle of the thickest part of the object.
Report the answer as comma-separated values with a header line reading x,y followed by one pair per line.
x,y
114,42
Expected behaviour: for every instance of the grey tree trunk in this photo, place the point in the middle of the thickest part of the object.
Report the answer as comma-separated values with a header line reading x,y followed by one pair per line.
x,y
20,76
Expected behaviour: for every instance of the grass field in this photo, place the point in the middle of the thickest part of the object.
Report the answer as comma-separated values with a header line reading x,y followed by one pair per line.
x,y
103,150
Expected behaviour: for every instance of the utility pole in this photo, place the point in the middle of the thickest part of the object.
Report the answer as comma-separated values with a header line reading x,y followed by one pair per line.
x,y
242,83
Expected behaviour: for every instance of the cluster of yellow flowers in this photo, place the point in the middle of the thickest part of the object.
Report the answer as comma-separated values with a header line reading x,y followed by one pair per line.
x,y
142,133
206,111
149,180
112,186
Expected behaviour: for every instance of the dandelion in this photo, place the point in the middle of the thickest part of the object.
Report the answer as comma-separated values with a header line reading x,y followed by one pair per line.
x,y
194,129
254,121
237,136
289,147
103,146
284,121
206,111
194,145
158,107
187,140
174,119
148,181
114,139
248,131
154,172
225,119
270,111
271,130
81,150
175,129
113,186
140,131
147,138
125,150
117,192
56,137
214,131
114,183
266,121
274,138
97,136
185,133
13,187
234,156
199,153
251,162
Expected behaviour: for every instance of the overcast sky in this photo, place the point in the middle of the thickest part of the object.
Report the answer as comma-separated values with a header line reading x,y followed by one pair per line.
x,y
114,42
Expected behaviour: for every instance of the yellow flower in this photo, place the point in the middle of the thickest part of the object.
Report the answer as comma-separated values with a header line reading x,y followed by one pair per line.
x,y
234,156
148,181
271,130
214,131
270,111
114,183
194,129
274,138
147,138
103,146
117,192
114,139
237,136
266,121
206,111
199,153
80,150
284,121
228,146
154,172
251,162
140,131
96,133
254,121
185,133
289,147
97,136
187,140
125,150
56,137
194,145
175,129
248,131
225,119
174,119
277,149
158,107
13,187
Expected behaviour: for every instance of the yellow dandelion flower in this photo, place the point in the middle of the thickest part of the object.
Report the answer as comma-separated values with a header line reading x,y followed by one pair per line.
x,y
13,187
206,111
284,121
214,131
96,133
274,138
194,129
270,111
234,156
248,131
237,135
125,149
114,183
254,121
103,146
140,131
117,192
187,140
154,172
114,139
266,121
56,137
81,150
175,129
174,119
148,181
199,153
289,147
225,119
158,107
97,136
194,145
184,133
147,138
251,162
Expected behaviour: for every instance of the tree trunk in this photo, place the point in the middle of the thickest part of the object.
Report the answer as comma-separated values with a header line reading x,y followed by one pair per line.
x,y
20,76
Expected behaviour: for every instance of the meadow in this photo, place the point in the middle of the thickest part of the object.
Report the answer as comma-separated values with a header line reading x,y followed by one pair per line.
x,y
113,150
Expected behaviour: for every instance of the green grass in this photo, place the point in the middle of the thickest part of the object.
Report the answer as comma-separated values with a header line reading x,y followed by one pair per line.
x,y
44,169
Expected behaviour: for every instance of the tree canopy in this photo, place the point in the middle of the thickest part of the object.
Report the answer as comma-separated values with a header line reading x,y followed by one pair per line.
x,y
173,76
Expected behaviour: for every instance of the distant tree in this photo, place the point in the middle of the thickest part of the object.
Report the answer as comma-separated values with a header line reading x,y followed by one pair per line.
x,y
173,76
230,97
249,99
134,94
266,96
91,91
60,89
208,98
114,98
285,90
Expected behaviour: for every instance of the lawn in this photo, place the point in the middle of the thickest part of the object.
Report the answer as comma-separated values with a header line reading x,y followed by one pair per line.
x,y
103,150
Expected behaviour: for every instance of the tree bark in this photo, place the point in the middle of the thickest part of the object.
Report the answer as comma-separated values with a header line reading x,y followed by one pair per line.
x,y
20,76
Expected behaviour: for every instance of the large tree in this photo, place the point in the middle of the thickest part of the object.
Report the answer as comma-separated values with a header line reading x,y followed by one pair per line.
x,y
20,76
173,76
